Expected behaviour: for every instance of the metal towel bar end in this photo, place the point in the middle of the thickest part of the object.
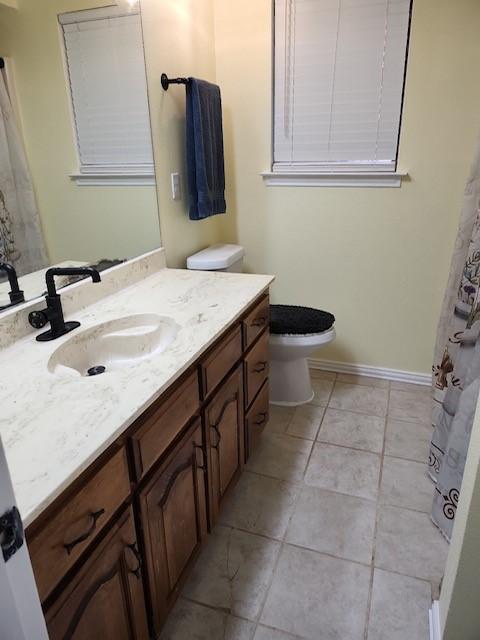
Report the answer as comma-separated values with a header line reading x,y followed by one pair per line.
x,y
166,81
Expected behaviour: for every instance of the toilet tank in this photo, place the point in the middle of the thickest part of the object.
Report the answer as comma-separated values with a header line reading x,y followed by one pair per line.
x,y
218,257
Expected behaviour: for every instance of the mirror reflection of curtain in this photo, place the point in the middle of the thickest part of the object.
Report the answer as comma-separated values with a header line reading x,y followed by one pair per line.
x,y
21,241
456,370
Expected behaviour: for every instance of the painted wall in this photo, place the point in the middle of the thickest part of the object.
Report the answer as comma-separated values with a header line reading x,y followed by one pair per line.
x,y
79,223
179,40
377,258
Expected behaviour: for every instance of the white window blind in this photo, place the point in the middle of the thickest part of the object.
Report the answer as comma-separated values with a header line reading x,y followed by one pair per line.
x,y
106,70
338,84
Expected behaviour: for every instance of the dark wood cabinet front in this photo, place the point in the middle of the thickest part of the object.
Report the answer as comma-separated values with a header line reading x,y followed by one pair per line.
x,y
174,520
105,600
226,437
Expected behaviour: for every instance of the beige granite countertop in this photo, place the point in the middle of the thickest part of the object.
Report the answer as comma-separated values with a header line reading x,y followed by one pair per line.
x,y
53,426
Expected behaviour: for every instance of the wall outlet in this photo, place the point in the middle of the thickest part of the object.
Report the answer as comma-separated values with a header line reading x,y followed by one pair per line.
x,y
176,186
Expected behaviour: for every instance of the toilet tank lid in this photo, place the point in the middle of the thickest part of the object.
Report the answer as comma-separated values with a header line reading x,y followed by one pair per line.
x,y
218,256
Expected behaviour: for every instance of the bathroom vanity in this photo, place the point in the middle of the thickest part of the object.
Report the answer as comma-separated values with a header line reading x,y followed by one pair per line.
x,y
113,535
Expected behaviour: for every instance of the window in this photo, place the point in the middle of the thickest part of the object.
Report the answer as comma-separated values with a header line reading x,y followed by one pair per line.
x,y
106,72
339,68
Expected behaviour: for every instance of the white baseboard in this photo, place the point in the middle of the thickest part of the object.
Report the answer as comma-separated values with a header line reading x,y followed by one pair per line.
x,y
434,620
372,372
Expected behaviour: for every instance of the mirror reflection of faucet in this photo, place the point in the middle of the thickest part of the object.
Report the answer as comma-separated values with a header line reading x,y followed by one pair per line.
x,y
16,294
53,313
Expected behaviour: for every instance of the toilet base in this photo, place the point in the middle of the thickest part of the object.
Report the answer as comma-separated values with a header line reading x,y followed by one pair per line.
x,y
290,382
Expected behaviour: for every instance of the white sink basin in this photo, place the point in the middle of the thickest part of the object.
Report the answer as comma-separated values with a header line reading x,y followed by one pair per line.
x,y
114,345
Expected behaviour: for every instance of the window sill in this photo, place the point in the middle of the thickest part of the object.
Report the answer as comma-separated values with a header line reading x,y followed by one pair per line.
x,y
334,179
113,179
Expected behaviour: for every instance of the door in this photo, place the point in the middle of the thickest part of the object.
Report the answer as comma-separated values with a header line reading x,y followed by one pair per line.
x,y
226,438
174,520
104,600
21,616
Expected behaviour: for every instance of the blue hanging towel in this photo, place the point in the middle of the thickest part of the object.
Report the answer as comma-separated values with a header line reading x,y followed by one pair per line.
x,y
205,168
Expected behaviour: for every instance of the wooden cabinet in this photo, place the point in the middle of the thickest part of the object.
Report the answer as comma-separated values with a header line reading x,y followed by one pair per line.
x,y
175,465
256,368
105,600
226,438
256,419
174,519
75,524
161,423
220,360
256,321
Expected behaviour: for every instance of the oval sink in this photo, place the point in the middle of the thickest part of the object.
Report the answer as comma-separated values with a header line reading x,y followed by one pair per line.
x,y
114,345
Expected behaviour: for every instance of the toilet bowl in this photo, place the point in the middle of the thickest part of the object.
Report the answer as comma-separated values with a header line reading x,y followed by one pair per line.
x,y
291,342
295,332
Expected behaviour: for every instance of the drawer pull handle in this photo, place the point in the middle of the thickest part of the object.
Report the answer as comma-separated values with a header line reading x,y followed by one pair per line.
x,y
262,418
202,466
261,366
219,436
258,322
94,515
137,571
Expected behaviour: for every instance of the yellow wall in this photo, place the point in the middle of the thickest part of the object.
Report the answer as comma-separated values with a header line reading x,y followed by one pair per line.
x,y
79,223
179,40
377,258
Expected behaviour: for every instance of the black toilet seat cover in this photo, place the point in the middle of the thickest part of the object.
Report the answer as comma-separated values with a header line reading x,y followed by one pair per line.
x,y
292,320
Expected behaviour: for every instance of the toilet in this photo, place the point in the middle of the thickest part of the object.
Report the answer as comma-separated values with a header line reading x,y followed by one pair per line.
x,y
295,332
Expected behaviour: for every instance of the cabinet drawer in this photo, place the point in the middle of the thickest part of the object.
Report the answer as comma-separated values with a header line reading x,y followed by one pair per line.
x,y
257,418
56,546
104,600
162,424
220,360
256,368
256,321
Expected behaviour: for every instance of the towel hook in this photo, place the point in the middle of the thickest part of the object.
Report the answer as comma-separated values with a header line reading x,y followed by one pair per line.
x,y
166,81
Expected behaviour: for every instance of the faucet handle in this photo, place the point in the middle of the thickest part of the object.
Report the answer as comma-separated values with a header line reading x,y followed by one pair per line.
x,y
37,319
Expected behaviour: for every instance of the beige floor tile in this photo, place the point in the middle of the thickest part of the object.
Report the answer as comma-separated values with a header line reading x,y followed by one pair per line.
x,y
279,418
233,572
408,542
322,389
399,609
192,621
411,388
410,406
350,378
305,421
350,429
316,596
267,633
344,470
326,375
281,457
260,505
355,397
409,440
405,484
333,523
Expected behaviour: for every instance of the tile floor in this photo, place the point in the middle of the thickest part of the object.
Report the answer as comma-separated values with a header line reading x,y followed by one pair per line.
x,y
327,536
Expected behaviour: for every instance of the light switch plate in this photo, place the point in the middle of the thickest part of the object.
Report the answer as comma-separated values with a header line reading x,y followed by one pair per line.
x,y
176,186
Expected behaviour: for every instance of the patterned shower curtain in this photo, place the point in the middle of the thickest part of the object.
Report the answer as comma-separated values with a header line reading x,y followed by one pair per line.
x,y
456,370
21,241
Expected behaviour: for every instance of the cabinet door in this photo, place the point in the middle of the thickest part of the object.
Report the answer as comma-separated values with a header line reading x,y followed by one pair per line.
x,y
226,438
104,600
174,520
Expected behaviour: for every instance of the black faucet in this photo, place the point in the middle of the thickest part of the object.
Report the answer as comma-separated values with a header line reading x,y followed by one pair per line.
x,y
16,294
54,311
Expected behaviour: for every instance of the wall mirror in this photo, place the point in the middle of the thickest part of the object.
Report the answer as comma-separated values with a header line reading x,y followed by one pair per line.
x,y
77,183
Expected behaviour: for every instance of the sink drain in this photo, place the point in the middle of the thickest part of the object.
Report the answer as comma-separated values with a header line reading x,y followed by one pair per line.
x,y
96,371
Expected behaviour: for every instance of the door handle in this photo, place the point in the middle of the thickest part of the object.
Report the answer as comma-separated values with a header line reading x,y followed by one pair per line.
x,y
260,366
